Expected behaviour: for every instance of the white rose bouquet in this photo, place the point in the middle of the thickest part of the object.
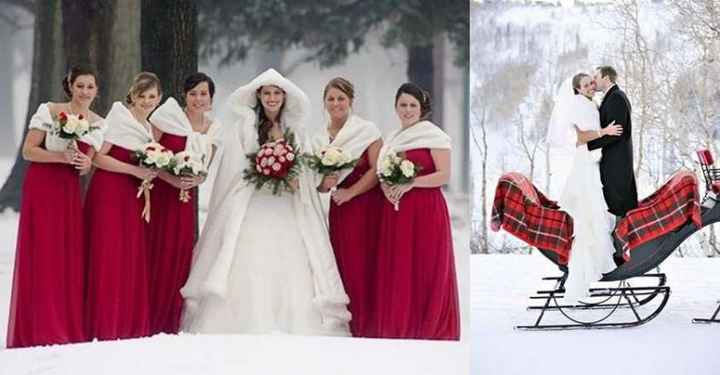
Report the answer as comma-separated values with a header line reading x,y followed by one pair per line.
x,y
72,127
395,170
151,155
186,164
329,160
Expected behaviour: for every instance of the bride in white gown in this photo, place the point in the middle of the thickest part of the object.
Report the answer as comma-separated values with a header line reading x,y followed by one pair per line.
x,y
264,262
575,121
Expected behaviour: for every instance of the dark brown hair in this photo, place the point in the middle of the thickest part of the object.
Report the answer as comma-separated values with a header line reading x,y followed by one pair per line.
x,y
342,84
72,75
421,95
142,82
264,124
197,78
576,82
608,71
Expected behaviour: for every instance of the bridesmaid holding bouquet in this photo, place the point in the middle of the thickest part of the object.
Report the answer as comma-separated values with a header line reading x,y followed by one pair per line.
x,y
190,134
355,199
118,302
416,292
46,304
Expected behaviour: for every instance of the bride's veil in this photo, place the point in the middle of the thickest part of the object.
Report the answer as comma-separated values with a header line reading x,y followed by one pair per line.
x,y
556,135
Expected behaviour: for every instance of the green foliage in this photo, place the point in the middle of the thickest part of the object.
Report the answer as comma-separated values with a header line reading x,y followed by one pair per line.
x,y
331,29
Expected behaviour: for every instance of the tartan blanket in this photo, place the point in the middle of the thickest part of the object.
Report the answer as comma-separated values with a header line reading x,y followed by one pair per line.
x,y
666,210
523,211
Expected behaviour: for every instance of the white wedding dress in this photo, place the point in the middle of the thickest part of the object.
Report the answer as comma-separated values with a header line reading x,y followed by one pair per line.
x,y
264,263
581,193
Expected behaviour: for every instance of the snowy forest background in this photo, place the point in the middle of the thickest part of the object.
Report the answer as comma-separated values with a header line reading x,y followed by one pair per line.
x,y
667,57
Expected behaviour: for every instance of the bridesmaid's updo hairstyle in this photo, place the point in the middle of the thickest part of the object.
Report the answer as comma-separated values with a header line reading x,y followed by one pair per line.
x,y
342,84
576,82
422,96
197,78
142,82
72,75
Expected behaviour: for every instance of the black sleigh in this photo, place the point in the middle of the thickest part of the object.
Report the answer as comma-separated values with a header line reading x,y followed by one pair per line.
x,y
639,291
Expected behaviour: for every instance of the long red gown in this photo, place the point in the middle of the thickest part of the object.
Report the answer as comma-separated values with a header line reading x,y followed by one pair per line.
x,y
353,233
117,294
416,290
48,287
172,234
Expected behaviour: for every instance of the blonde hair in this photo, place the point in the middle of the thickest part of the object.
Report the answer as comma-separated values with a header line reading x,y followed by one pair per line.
x,y
142,82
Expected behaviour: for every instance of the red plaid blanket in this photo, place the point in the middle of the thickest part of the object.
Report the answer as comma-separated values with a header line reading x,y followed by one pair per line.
x,y
667,209
523,211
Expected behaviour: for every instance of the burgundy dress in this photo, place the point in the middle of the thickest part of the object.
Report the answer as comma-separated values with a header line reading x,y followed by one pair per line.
x,y
46,306
416,290
172,234
353,233
116,240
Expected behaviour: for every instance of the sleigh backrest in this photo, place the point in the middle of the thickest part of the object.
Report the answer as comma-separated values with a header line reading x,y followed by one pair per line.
x,y
710,174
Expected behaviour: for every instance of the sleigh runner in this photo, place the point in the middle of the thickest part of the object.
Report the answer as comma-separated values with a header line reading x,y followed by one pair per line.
x,y
645,237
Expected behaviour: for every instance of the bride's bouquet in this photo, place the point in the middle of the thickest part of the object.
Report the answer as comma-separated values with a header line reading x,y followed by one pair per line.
x,y
395,170
187,164
151,155
329,160
275,165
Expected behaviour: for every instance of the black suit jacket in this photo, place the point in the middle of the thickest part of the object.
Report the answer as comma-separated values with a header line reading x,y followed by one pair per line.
x,y
616,165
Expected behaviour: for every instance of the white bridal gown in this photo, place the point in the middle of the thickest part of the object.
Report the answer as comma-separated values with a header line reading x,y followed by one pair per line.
x,y
264,263
582,198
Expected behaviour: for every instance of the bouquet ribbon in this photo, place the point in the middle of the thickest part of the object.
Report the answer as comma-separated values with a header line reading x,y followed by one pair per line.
x,y
144,189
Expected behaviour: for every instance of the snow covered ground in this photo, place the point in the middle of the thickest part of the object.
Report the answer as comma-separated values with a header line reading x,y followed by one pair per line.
x,y
240,354
669,344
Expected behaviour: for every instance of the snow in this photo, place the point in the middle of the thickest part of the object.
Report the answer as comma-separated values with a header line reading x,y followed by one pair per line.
x,y
669,344
240,354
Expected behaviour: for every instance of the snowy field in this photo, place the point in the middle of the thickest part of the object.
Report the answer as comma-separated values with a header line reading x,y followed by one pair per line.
x,y
669,344
239,354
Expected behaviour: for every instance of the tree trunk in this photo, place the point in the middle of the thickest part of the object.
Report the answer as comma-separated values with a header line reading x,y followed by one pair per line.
x,y
118,52
47,72
170,50
7,133
169,42
420,69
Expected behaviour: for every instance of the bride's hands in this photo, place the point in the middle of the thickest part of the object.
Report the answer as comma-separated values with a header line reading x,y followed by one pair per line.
x,y
612,129
294,184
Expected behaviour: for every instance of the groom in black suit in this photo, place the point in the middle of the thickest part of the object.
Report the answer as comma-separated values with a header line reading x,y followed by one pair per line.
x,y
616,165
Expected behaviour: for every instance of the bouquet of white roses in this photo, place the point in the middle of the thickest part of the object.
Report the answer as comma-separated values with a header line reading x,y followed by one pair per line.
x,y
395,170
330,159
151,155
186,164
71,127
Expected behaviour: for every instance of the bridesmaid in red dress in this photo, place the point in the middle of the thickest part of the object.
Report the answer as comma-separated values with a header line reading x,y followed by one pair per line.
x,y
46,304
353,225
172,230
118,305
416,292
